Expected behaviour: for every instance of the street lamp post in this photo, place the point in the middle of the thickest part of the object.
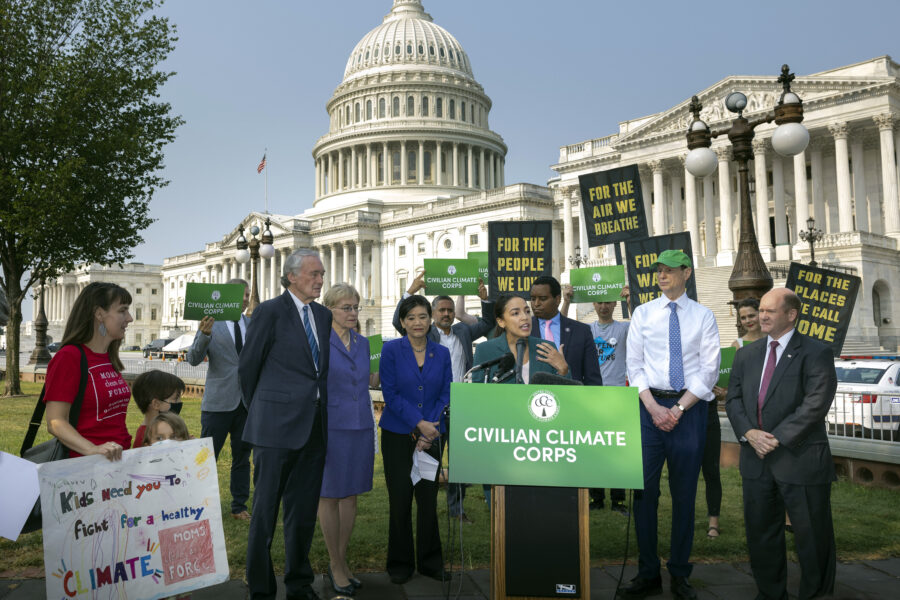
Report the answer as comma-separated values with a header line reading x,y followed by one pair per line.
x,y
252,250
40,356
578,258
750,277
811,235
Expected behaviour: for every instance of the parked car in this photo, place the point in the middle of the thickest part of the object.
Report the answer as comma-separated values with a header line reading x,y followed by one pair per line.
x,y
54,346
131,349
867,401
155,348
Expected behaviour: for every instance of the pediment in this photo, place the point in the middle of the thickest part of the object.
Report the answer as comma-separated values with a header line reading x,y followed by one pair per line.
x,y
762,94
279,224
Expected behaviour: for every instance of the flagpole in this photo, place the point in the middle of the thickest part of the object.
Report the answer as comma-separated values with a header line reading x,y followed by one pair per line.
x,y
266,152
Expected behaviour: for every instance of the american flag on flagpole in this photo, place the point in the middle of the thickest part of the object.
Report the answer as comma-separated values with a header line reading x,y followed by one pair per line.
x,y
262,165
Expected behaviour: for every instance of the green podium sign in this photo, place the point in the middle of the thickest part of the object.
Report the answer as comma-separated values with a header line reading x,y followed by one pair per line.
x,y
556,435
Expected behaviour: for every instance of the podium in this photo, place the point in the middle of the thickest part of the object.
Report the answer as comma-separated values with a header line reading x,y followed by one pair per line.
x,y
540,545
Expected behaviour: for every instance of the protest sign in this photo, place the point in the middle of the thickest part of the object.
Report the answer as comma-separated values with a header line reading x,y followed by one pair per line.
x,y
375,344
451,276
482,259
222,301
828,298
725,366
519,252
22,476
641,253
148,526
597,284
555,435
613,206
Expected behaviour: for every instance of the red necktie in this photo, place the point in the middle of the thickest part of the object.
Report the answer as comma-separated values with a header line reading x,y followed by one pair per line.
x,y
767,378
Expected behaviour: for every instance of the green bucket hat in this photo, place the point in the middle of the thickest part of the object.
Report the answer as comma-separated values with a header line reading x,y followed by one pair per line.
x,y
672,258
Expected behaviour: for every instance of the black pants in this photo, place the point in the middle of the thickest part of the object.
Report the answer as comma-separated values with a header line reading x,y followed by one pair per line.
x,y
294,476
711,457
402,557
218,426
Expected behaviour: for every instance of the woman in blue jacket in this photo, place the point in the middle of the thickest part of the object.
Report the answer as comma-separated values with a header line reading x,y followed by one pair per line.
x,y
415,384
514,319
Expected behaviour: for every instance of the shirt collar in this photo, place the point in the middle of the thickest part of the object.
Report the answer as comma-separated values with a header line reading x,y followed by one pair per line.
x,y
783,340
554,320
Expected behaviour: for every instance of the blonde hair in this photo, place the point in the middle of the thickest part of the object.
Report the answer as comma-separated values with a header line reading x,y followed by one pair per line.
x,y
179,427
339,291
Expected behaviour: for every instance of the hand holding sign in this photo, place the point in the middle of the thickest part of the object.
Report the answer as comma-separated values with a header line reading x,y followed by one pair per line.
x,y
206,324
417,284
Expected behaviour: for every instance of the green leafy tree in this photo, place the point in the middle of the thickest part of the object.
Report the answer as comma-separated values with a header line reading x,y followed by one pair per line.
x,y
82,132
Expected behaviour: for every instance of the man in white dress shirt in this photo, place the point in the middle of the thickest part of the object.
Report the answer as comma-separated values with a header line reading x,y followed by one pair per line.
x,y
673,359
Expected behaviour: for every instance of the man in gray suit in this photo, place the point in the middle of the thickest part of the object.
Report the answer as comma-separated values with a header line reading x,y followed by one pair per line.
x,y
221,412
284,375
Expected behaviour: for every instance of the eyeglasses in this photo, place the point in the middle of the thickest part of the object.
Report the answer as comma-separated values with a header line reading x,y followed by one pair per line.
x,y
347,308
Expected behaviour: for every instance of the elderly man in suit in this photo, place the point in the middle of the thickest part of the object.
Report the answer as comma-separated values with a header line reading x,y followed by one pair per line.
x,y
457,338
780,390
573,338
222,413
284,370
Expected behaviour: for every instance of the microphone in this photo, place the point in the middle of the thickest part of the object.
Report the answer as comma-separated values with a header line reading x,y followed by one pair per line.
x,y
505,368
489,363
521,346
542,377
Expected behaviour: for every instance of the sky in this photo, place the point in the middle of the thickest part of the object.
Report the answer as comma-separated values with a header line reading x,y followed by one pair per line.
x,y
254,77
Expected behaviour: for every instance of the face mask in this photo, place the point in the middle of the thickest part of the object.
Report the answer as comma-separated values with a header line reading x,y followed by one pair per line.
x,y
175,408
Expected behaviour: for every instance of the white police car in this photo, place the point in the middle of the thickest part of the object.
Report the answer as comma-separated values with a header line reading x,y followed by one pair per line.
x,y
868,397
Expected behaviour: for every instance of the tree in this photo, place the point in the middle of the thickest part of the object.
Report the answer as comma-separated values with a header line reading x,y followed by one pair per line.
x,y
82,132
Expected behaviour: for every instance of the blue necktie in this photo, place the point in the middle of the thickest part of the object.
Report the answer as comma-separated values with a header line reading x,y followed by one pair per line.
x,y
313,346
676,363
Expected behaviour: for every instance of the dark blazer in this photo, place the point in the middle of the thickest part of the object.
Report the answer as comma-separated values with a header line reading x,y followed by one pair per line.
x,y
498,347
278,376
411,395
578,349
799,396
467,334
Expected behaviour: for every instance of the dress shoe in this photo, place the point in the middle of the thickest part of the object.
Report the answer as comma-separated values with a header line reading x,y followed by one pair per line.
x,y
400,579
442,575
356,583
641,588
306,594
241,516
682,589
347,590
620,508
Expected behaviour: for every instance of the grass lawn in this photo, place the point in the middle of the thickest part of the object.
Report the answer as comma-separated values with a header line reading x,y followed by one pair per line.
x,y
866,522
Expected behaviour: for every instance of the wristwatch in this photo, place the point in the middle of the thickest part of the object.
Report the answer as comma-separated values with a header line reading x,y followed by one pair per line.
x,y
680,407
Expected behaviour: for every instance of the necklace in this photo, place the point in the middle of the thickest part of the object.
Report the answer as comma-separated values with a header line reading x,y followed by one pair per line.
x,y
422,350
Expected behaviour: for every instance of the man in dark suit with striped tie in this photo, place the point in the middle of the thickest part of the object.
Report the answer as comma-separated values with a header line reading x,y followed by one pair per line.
x,y
283,372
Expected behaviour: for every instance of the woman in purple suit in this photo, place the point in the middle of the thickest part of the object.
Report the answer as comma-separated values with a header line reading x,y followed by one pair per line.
x,y
350,454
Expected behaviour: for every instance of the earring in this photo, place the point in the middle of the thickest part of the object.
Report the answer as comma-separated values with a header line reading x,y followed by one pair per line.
x,y
103,331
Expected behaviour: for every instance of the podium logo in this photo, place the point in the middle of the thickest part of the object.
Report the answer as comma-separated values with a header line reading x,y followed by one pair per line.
x,y
216,294
596,277
451,270
543,406
566,588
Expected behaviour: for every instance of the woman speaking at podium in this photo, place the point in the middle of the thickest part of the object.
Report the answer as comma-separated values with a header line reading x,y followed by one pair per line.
x,y
514,319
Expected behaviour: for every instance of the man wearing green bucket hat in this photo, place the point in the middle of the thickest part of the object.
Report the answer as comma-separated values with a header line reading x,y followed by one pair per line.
x,y
673,360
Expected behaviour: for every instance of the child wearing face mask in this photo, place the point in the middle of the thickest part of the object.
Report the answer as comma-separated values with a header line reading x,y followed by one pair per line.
x,y
166,427
155,393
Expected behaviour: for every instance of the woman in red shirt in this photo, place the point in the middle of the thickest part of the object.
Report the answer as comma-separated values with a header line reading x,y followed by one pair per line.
x,y
97,323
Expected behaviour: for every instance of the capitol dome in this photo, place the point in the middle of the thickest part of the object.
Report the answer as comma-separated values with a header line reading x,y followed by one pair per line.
x,y
408,121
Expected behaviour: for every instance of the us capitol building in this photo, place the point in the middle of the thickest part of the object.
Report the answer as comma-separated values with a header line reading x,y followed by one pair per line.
x,y
410,169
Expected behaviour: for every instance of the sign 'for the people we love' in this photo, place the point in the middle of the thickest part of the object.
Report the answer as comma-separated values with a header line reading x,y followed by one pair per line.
x,y
148,526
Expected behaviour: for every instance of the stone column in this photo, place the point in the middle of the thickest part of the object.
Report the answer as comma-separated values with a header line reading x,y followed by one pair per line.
x,y
489,173
346,262
273,275
420,168
726,216
782,245
368,179
334,263
455,164
357,281
375,292
340,181
646,178
801,197
709,216
481,173
677,217
439,162
693,220
385,157
857,156
840,131
885,123
567,222
502,171
326,262
353,167
404,163
318,177
820,213
763,235
659,199
329,175
470,171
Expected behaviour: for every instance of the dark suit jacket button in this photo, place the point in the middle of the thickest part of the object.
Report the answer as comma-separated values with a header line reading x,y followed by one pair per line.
x,y
420,406
420,388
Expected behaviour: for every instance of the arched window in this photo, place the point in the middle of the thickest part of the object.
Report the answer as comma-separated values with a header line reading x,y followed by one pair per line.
x,y
452,108
439,108
395,167
347,120
443,162
472,114
368,110
358,115
409,48
395,107
411,166
421,49
462,111
426,159
410,106
381,108
424,106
